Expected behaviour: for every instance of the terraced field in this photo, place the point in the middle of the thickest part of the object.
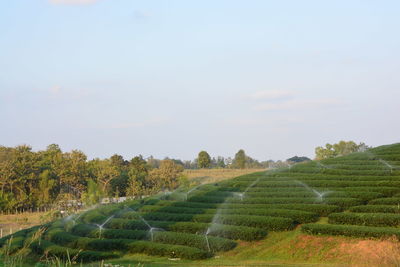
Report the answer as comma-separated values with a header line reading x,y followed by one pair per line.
x,y
359,193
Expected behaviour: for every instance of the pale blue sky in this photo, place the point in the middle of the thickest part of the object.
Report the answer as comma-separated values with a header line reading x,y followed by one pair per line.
x,y
171,78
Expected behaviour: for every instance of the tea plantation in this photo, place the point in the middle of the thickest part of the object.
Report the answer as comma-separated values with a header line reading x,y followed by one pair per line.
x,y
359,193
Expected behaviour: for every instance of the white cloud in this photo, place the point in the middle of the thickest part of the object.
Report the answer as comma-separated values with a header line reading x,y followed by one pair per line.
x,y
73,2
296,104
272,94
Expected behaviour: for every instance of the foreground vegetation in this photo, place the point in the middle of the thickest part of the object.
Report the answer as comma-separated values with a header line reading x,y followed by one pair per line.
x,y
358,193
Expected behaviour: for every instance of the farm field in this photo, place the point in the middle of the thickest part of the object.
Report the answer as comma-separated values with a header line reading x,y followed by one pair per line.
x,y
340,201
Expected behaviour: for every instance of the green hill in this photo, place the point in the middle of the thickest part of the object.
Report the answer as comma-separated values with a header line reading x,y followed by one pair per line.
x,y
359,193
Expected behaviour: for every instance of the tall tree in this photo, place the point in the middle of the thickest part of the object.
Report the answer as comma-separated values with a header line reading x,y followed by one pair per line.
x,y
165,177
240,159
138,172
104,172
203,160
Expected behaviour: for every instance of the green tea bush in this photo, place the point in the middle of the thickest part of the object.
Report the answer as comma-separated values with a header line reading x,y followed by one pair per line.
x,y
46,247
93,216
350,230
172,209
376,209
193,240
296,215
175,251
265,222
385,201
226,231
320,209
367,219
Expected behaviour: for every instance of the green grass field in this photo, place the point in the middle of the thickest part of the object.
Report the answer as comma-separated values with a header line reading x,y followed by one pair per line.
x,y
310,213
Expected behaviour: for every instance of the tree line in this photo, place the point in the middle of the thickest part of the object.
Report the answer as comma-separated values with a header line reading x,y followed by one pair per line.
x,y
31,179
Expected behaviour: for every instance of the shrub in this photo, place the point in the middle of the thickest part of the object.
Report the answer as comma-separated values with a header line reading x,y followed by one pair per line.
x,y
297,216
368,219
376,209
265,222
175,251
320,209
45,247
350,230
385,201
226,231
192,240
172,209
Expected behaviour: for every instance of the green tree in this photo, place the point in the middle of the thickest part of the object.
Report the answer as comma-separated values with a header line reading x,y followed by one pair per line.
x,y
138,172
46,186
104,172
203,160
339,149
167,176
93,194
240,159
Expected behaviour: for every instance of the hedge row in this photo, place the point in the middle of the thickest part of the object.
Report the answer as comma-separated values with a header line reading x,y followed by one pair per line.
x,y
386,190
320,176
367,219
320,209
226,231
376,208
385,201
45,247
174,251
172,209
193,240
266,222
116,241
296,215
185,204
304,193
350,230
150,248
341,202
320,183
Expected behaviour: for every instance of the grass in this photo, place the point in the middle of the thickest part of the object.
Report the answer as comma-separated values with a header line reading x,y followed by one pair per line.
x,y
16,222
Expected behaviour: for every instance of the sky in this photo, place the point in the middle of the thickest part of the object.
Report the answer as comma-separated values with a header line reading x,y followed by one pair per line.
x,y
171,78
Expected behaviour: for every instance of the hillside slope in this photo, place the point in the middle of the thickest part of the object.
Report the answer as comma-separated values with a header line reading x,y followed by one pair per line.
x,y
359,193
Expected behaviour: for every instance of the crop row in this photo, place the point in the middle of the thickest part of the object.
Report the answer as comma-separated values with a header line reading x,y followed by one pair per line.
x,y
297,216
265,222
342,202
385,201
305,194
376,208
227,231
319,183
121,239
367,219
321,209
386,190
350,230
150,248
